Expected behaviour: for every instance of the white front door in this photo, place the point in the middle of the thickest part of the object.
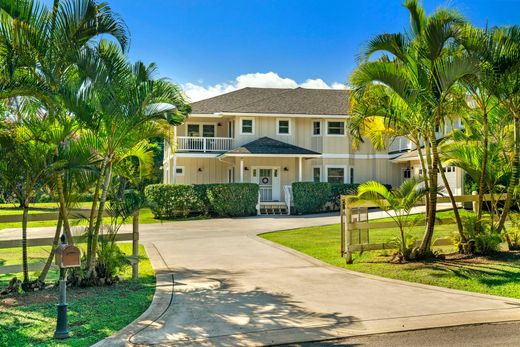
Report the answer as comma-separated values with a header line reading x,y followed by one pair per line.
x,y
268,179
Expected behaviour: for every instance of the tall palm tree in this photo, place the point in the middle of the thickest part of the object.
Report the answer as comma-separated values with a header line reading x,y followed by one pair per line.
x,y
422,70
126,106
40,48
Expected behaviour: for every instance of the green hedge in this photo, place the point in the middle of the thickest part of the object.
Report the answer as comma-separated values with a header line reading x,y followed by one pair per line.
x,y
310,197
313,197
234,199
171,201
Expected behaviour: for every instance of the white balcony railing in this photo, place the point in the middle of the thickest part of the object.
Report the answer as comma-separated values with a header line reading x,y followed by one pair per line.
x,y
204,144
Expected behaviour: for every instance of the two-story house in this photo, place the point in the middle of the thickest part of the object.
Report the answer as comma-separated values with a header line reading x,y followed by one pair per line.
x,y
275,137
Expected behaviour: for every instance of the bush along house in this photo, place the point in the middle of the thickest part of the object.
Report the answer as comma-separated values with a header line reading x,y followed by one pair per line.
x,y
275,137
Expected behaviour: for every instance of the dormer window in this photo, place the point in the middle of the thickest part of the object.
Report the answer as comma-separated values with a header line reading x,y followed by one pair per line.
x,y
283,127
247,126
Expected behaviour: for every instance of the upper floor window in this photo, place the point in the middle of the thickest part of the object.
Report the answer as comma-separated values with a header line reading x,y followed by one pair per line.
x,y
284,127
316,128
208,130
197,130
193,130
335,128
247,126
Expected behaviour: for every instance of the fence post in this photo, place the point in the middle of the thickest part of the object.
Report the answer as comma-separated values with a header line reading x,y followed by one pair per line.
x,y
475,202
348,218
342,220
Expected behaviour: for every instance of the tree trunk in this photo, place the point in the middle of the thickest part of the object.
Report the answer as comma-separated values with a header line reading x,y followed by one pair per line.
x,y
514,177
100,213
424,172
463,238
55,242
135,245
63,209
25,265
482,179
93,214
424,248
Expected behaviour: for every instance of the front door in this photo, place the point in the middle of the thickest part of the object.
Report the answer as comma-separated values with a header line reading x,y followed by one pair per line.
x,y
268,179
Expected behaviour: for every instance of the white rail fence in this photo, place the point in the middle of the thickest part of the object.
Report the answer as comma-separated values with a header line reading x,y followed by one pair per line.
x,y
204,144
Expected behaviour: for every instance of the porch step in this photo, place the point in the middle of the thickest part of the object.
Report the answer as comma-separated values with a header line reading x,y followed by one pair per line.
x,y
267,208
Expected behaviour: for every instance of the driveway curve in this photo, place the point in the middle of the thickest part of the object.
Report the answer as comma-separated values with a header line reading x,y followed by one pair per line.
x,y
219,284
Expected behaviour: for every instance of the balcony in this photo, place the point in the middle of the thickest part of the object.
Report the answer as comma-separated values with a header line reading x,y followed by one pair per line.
x,y
204,144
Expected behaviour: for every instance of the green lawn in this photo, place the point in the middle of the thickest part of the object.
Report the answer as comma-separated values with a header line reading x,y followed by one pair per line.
x,y
145,217
497,275
30,319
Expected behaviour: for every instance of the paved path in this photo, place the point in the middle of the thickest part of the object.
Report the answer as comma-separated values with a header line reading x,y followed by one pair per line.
x,y
221,285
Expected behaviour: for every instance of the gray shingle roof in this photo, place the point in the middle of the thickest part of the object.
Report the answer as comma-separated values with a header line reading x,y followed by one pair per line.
x,y
277,100
267,145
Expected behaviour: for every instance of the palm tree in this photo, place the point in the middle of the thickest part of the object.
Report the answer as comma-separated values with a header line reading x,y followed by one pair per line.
x,y
40,48
396,203
126,106
25,167
422,70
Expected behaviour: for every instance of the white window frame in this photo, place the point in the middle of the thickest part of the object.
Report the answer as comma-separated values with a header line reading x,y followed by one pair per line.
x,y
344,167
312,128
201,129
231,174
337,135
192,123
278,126
252,126
182,171
321,172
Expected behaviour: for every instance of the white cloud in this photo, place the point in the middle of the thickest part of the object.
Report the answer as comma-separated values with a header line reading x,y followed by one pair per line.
x,y
197,92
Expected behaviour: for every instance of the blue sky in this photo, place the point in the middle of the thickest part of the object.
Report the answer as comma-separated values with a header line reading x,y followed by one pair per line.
x,y
210,43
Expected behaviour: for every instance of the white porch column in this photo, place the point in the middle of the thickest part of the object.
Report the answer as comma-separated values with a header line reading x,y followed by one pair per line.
x,y
300,174
174,173
241,170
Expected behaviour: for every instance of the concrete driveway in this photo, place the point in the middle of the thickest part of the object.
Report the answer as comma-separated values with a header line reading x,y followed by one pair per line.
x,y
221,285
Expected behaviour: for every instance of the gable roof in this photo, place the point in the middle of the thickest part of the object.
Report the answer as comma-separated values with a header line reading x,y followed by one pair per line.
x,y
269,146
277,101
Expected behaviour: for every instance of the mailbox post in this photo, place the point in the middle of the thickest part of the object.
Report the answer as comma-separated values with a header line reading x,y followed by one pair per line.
x,y
67,256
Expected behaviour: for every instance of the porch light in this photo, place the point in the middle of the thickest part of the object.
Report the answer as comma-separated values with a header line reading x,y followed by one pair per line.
x,y
285,169
246,169
200,169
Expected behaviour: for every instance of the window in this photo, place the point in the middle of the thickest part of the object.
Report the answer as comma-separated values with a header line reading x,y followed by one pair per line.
x,y
336,174
449,169
193,130
437,128
284,127
231,175
407,173
351,175
335,128
316,174
316,128
247,126
208,130
179,170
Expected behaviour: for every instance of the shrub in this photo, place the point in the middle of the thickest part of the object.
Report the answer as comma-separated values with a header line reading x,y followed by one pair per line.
x,y
485,242
233,199
170,201
339,189
310,197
